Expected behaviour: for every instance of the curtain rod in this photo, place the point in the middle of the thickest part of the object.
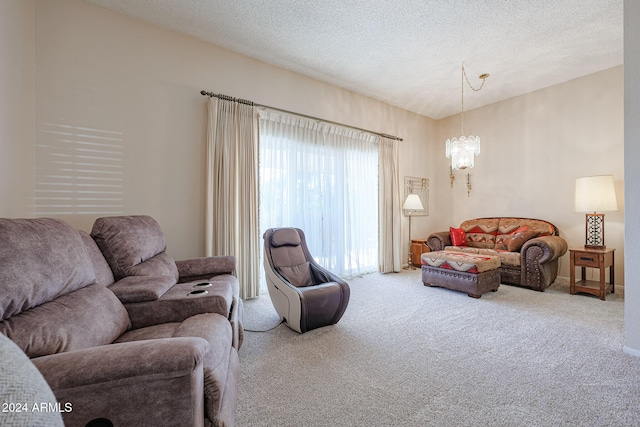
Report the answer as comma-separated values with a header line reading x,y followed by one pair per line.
x,y
244,101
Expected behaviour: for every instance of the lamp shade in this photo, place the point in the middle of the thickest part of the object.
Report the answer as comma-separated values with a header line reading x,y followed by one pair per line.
x,y
595,193
413,202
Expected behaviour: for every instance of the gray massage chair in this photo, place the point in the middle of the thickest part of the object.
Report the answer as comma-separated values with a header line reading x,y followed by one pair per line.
x,y
303,293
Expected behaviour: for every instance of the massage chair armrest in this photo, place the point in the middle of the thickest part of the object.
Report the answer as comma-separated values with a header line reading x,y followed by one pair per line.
x,y
551,247
205,267
439,240
114,362
308,290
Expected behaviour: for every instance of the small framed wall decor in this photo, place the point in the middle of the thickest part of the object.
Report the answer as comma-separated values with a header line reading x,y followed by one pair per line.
x,y
419,186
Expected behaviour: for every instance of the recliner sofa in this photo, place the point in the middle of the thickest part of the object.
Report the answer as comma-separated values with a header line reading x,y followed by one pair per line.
x,y
156,289
55,304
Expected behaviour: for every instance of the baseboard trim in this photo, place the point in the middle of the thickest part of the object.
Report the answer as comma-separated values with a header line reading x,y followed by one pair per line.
x,y
631,351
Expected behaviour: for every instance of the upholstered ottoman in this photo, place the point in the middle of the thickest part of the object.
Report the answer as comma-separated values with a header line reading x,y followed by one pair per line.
x,y
473,274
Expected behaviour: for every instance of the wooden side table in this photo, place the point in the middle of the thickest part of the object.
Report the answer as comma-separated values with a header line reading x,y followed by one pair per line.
x,y
418,247
592,258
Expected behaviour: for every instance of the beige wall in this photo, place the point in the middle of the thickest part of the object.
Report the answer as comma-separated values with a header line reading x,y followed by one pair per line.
x,y
17,116
533,148
104,73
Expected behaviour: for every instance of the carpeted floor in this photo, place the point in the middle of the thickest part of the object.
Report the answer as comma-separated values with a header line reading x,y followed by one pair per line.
x,y
409,355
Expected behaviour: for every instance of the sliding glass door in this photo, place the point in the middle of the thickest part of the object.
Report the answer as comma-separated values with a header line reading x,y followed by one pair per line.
x,y
323,179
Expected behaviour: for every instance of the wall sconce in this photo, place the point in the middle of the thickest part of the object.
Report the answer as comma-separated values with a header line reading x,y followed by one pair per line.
x,y
592,194
468,184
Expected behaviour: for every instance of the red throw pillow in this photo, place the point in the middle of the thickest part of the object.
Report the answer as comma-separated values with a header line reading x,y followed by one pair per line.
x,y
519,237
458,236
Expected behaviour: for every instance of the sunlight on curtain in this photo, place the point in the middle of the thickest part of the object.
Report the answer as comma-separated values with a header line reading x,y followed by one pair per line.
x,y
323,179
389,184
231,226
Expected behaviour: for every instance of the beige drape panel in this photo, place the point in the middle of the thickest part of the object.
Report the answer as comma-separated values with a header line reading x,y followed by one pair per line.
x,y
232,189
389,206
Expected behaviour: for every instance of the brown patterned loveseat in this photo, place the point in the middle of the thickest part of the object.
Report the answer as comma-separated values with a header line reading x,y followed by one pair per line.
x,y
533,265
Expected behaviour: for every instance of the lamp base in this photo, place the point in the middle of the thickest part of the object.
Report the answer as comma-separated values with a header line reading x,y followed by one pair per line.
x,y
597,247
594,231
409,265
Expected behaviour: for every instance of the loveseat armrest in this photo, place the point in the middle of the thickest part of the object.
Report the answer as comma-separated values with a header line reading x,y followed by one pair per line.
x,y
205,267
539,261
150,382
439,240
552,247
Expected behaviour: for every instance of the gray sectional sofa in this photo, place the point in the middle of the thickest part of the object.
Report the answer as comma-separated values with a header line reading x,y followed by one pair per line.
x,y
112,324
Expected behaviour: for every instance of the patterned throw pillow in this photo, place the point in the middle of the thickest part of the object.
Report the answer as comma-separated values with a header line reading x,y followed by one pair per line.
x,y
519,237
458,236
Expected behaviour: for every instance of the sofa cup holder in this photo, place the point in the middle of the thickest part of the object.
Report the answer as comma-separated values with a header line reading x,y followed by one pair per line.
x,y
203,285
197,293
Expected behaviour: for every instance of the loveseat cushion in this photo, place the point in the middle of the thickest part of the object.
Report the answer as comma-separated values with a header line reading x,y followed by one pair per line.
x,y
519,238
507,226
40,260
134,246
88,317
481,232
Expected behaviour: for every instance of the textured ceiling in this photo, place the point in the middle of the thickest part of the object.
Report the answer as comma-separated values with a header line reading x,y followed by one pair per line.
x,y
408,53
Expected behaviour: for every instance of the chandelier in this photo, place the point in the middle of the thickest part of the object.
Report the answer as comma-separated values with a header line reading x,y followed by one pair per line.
x,y
462,150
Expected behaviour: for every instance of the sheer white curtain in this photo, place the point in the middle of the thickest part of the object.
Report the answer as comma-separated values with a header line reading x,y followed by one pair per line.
x,y
231,216
324,180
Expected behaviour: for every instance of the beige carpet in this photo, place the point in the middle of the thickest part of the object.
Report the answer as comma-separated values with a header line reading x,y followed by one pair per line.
x,y
408,355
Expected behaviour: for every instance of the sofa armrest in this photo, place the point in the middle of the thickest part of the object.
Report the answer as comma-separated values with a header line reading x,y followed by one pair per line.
x,y
141,288
113,362
150,382
439,240
205,267
552,247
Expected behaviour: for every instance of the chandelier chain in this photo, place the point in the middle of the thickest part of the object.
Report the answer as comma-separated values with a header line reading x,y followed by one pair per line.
x,y
464,77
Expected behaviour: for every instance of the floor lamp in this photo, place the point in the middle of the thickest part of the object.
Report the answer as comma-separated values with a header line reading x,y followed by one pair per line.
x,y
411,204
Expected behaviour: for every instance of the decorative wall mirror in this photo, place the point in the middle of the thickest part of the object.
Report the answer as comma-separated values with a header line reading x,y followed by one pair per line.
x,y
419,186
